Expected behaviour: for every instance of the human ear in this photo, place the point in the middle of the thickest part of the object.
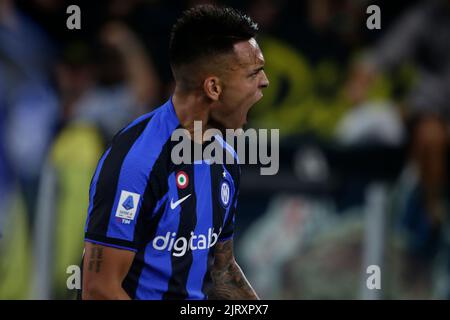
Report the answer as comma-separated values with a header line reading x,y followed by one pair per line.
x,y
212,88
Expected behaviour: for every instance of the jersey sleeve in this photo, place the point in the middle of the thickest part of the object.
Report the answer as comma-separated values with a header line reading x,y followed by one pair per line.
x,y
121,196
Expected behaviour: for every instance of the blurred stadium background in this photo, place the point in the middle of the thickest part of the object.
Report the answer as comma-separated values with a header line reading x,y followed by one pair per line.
x,y
363,118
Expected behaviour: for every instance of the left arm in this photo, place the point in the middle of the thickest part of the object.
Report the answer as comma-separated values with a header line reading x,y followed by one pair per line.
x,y
229,282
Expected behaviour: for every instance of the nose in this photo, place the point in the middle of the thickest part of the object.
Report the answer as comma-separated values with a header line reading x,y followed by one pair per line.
x,y
264,82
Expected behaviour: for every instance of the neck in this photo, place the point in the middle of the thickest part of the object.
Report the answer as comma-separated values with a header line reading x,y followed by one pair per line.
x,y
191,107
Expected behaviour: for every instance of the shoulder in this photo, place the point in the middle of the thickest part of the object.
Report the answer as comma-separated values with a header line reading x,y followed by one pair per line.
x,y
146,136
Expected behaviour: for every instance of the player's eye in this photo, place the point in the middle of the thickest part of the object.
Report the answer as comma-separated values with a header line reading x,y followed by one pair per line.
x,y
256,72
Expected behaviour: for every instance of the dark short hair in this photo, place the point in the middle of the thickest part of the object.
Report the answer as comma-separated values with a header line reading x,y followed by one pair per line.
x,y
207,30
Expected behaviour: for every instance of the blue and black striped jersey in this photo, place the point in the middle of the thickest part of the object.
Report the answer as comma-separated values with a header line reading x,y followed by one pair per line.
x,y
170,215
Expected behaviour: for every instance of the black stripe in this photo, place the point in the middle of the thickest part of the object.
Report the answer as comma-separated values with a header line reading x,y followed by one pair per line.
x,y
157,187
131,281
188,221
108,179
146,224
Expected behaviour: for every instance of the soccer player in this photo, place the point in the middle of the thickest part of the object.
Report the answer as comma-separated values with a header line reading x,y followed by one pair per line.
x,y
159,230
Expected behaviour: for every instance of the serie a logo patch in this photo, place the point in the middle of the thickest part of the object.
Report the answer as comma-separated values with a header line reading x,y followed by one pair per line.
x,y
128,204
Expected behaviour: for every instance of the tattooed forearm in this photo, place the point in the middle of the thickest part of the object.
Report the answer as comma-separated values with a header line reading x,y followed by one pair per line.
x,y
231,284
105,268
95,259
228,279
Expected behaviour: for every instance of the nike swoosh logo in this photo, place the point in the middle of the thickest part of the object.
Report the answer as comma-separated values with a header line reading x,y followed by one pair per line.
x,y
175,204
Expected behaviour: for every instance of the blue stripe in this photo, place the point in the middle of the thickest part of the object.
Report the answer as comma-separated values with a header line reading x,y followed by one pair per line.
x,y
138,164
93,187
154,279
202,179
160,203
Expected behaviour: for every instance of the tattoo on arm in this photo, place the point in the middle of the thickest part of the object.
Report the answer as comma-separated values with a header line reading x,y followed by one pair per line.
x,y
229,281
95,259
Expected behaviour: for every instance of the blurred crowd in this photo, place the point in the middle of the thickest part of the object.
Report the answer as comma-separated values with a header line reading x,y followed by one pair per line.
x,y
364,123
